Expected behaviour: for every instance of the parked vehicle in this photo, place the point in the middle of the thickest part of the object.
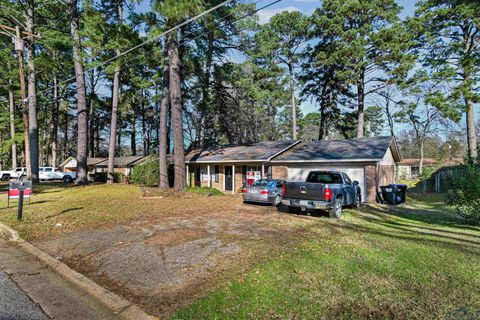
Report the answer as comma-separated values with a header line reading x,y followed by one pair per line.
x,y
264,191
17,173
323,190
53,174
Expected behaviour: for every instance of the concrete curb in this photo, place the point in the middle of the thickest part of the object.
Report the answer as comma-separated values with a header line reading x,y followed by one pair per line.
x,y
123,308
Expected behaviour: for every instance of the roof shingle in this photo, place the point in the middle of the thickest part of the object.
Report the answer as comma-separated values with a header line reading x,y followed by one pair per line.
x,y
357,149
261,151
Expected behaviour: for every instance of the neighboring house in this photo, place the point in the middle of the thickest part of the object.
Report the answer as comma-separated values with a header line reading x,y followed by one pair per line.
x,y
98,165
410,168
70,164
370,161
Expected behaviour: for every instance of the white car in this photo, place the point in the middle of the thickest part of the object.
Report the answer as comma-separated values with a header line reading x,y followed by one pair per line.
x,y
17,173
54,174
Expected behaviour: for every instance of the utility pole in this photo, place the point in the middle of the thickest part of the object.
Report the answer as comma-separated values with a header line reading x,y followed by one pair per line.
x,y
19,50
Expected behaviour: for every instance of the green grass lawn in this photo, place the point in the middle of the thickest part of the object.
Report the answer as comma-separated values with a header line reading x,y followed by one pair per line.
x,y
420,261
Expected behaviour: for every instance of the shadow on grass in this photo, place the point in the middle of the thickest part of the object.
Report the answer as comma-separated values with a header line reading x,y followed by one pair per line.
x,y
63,211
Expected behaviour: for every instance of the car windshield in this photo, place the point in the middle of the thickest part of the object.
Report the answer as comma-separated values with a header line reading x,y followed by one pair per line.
x,y
324,177
261,183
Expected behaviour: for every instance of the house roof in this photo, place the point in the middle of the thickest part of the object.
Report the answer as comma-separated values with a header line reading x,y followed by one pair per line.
x,y
103,162
254,152
347,150
121,161
431,162
90,161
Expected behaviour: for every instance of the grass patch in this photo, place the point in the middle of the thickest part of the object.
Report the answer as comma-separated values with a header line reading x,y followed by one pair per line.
x,y
99,205
206,191
416,261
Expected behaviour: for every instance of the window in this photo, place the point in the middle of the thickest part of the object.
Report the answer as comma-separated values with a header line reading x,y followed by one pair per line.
x,y
347,179
269,172
48,169
203,173
324,177
216,171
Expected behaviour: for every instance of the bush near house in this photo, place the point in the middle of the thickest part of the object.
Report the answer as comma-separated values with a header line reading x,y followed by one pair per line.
x,y
147,174
465,195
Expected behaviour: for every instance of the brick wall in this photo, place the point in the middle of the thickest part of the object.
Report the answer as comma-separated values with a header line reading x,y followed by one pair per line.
x,y
279,172
371,182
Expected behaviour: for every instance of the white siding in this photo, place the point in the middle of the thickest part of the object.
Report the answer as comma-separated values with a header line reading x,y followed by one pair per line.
x,y
388,159
299,173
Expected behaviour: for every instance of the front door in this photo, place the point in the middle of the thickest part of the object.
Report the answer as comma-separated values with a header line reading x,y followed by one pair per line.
x,y
228,178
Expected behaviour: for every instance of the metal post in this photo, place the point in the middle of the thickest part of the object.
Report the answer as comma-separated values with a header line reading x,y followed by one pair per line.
x,y
20,205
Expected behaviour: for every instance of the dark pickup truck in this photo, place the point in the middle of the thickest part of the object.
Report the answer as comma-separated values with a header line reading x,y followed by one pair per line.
x,y
323,190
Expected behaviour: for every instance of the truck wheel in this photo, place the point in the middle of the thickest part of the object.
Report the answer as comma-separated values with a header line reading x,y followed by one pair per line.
x,y
294,210
336,211
67,179
358,201
5,177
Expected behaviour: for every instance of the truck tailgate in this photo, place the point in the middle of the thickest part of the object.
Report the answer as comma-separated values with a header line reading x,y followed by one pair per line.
x,y
304,190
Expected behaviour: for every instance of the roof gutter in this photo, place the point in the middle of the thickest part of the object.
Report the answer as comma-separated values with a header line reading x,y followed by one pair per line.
x,y
325,161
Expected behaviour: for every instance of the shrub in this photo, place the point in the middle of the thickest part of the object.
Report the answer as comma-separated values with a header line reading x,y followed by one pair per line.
x,y
146,174
465,194
206,191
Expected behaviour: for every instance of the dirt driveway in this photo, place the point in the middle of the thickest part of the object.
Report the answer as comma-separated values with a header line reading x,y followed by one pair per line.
x,y
164,262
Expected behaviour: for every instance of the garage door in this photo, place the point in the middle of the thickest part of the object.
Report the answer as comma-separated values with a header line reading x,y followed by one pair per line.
x,y
300,173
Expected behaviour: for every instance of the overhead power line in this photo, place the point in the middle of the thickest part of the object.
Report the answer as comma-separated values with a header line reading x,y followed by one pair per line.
x,y
141,44
165,33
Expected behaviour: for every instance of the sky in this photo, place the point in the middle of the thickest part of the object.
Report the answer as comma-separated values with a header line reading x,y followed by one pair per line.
x,y
305,6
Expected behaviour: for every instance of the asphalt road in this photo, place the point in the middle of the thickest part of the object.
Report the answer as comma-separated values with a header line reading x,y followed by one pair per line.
x,y
14,304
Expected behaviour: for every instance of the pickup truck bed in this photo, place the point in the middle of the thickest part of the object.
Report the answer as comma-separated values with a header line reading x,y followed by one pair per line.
x,y
323,190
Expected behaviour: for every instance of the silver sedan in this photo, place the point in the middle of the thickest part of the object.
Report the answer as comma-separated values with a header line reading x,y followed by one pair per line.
x,y
264,191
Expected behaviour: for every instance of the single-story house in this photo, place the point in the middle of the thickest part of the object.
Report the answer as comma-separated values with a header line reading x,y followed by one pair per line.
x,y
370,161
410,168
99,165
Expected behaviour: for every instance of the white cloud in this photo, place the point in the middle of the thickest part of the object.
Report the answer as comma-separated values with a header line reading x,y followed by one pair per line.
x,y
265,14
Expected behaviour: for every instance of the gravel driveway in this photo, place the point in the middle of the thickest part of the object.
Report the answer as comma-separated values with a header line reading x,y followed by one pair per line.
x,y
167,262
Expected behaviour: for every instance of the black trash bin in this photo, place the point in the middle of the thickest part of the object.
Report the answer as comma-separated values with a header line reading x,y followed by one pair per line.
x,y
394,193
401,191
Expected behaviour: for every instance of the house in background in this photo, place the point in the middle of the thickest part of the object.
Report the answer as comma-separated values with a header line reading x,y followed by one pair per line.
x,y
409,169
370,161
122,165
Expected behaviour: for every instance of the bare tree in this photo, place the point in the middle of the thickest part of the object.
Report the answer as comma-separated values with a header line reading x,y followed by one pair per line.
x,y
82,112
115,98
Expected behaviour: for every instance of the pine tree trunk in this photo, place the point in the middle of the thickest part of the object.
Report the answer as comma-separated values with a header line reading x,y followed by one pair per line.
x,y
133,136
11,105
177,119
32,101
361,105
115,98
54,124
164,108
82,112
471,134
293,102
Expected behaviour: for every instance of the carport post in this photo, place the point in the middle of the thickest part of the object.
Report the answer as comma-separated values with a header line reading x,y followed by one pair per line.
x,y
233,178
209,176
187,175
263,171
